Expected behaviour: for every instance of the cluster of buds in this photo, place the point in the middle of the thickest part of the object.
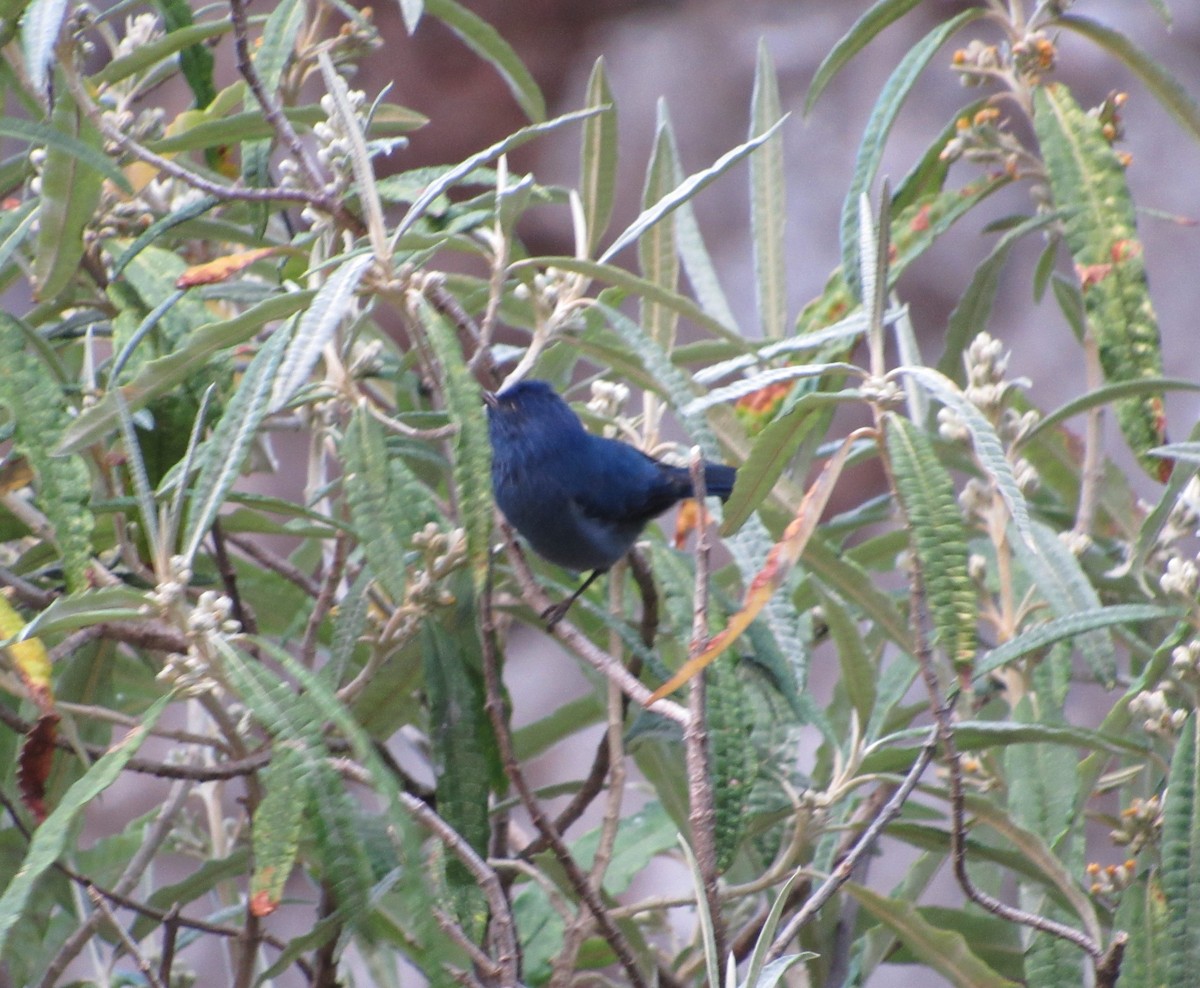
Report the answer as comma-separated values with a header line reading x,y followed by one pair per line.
x,y
194,673
171,587
1179,579
977,63
1111,879
1109,115
1141,824
1184,518
983,140
1034,54
442,553
1185,664
608,399
986,363
1159,716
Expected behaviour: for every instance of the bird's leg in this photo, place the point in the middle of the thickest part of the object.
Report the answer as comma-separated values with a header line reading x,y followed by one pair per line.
x,y
556,612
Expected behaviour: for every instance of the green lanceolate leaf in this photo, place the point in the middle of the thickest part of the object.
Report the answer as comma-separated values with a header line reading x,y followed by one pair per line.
x,y
938,535
69,196
483,39
1166,88
39,411
374,508
195,61
768,207
1088,183
945,951
277,826
879,16
221,460
732,756
473,450
656,246
598,157
883,116
460,738
1181,858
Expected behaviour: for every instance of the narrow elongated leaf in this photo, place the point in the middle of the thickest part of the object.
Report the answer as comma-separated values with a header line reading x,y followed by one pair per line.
x,y
473,450
1166,88
1067,626
38,408
454,175
618,277
40,25
70,194
159,376
149,54
768,205
1088,183
598,157
1107,393
279,42
656,246
51,839
686,190
87,151
938,534
862,32
317,327
887,107
771,453
222,458
374,508
195,61
974,308
1181,858
483,39
946,952
278,821
782,557
733,760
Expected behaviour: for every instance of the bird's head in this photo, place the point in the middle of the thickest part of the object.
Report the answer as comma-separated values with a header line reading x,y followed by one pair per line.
x,y
530,412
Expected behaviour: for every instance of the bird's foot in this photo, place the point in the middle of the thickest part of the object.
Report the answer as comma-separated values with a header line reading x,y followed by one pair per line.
x,y
556,612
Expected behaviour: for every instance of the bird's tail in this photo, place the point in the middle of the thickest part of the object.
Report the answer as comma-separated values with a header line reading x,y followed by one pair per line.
x,y
718,480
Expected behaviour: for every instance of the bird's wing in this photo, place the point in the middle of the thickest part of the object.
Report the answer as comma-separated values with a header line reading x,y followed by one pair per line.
x,y
622,484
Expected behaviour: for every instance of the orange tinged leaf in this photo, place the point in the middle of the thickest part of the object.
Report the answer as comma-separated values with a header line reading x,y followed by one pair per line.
x,y
15,474
221,268
33,764
685,522
261,904
782,557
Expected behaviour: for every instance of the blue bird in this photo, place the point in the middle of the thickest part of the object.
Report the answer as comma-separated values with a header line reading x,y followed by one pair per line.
x,y
580,500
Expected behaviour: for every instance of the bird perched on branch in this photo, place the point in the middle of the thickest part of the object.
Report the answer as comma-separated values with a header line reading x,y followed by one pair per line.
x,y
580,500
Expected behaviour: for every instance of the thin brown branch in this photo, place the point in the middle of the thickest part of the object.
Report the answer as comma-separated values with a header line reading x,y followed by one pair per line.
x,y
942,712
271,110
325,598
242,614
503,926
702,811
578,642
131,948
578,880
845,868
277,564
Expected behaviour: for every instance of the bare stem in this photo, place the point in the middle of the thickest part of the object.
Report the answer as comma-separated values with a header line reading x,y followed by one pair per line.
x,y
702,813
512,770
